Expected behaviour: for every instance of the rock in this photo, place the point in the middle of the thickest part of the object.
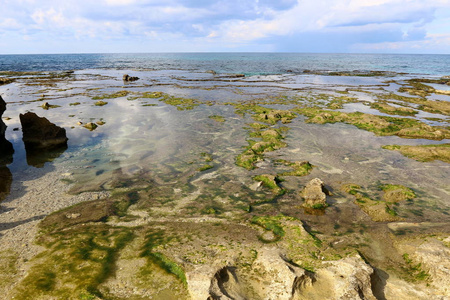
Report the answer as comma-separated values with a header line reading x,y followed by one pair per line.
x,y
434,257
315,194
91,126
348,278
45,105
4,80
40,133
127,77
6,148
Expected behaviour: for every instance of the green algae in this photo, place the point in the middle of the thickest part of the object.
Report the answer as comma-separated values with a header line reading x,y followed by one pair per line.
x,y
423,153
271,182
378,211
300,168
392,110
394,193
153,239
217,118
100,103
205,167
8,267
380,125
271,140
75,260
270,223
414,271
112,95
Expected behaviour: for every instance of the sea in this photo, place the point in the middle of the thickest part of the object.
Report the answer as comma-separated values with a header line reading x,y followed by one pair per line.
x,y
245,63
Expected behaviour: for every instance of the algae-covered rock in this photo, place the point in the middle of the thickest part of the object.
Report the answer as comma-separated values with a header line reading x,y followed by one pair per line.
x,y
424,153
315,194
91,126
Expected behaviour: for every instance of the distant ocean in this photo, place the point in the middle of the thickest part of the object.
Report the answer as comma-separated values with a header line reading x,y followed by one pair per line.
x,y
247,63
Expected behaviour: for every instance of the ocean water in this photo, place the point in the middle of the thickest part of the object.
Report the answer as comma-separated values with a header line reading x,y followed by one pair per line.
x,y
247,63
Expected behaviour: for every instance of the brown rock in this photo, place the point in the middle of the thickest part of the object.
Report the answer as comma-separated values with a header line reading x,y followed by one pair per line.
x,y
127,77
41,133
315,194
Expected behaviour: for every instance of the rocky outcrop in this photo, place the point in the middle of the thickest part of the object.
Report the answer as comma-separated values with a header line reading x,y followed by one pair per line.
x,y
348,278
128,78
4,80
40,133
44,141
6,152
6,148
271,276
315,194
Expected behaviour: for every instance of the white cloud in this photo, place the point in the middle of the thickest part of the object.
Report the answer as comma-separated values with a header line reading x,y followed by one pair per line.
x,y
234,23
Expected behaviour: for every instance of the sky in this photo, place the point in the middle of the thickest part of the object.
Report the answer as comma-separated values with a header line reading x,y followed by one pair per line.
x,y
141,26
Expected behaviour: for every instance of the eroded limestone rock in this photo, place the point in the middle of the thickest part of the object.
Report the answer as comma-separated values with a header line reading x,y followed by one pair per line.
x,y
315,194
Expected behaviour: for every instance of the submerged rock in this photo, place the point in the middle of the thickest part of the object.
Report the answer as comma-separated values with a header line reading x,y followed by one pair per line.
x,y
315,194
41,133
127,77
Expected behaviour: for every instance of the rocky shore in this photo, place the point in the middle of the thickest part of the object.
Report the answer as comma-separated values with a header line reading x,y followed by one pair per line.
x,y
212,186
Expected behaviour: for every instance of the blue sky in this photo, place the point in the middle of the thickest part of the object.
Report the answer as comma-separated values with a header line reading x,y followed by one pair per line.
x,y
108,26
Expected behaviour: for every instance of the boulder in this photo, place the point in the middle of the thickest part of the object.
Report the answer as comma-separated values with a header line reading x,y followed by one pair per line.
x,y
315,194
40,133
6,148
127,77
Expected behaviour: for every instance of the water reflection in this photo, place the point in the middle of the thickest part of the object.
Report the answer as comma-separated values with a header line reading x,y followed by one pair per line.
x,y
37,157
5,182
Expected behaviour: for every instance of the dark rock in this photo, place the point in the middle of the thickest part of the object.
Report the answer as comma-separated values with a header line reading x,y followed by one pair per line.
x,y
4,80
126,77
6,148
40,133
6,156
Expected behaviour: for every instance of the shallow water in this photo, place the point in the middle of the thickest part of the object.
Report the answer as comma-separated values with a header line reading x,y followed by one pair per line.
x,y
160,139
